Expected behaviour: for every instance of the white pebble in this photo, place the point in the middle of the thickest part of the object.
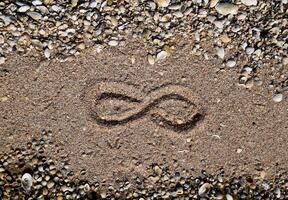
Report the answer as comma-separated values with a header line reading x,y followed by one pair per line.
x,y
249,2
47,53
231,63
229,197
221,52
277,97
151,60
23,9
113,43
37,3
162,55
226,8
250,50
2,60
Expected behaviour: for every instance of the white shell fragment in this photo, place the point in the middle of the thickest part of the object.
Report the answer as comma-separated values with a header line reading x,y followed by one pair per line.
x,y
204,189
27,182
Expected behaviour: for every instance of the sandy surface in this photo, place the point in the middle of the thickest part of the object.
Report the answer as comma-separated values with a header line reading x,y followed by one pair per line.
x,y
137,121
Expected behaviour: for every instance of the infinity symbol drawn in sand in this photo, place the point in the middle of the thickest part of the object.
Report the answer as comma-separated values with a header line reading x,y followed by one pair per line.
x,y
171,106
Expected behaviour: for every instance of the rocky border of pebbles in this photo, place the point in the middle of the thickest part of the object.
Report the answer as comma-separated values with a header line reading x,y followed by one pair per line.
x,y
25,173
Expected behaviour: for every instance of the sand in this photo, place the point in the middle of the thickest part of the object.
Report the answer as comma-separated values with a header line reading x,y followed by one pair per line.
x,y
239,129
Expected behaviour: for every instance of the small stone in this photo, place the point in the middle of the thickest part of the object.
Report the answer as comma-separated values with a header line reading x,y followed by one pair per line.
x,y
221,52
151,59
229,197
249,2
93,4
225,39
162,3
37,3
113,43
250,50
23,9
213,3
162,55
48,2
285,61
226,8
277,97
81,46
74,3
231,63
2,40
239,150
34,15
50,184
56,8
3,99
47,53
6,19
2,60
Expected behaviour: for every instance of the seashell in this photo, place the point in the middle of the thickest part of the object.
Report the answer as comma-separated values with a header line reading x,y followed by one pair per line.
x,y
27,182
204,189
87,188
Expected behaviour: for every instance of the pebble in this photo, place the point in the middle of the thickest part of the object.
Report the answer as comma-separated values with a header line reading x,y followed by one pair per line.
x,y
113,43
221,52
231,63
250,50
47,53
277,97
249,2
2,60
162,3
226,8
37,3
225,39
74,3
162,55
34,15
229,197
213,3
151,59
23,9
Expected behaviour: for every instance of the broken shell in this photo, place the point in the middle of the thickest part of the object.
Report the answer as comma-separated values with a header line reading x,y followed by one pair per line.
x,y
204,189
27,182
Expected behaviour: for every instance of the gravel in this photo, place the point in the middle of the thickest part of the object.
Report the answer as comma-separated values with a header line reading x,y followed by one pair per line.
x,y
57,29
26,173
